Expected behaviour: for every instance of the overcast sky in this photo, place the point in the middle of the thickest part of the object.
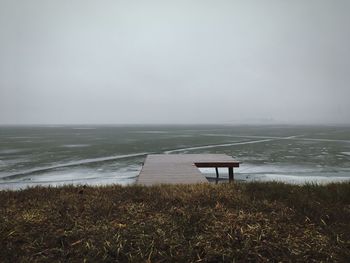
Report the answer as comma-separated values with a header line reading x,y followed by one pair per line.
x,y
119,62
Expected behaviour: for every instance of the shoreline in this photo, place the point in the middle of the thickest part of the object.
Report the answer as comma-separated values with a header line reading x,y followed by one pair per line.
x,y
129,178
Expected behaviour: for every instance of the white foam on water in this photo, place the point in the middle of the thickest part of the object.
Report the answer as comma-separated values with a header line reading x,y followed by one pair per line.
x,y
23,137
292,174
214,146
73,163
10,151
8,162
297,137
91,182
346,153
84,128
323,140
219,135
269,168
75,145
151,132
229,144
76,176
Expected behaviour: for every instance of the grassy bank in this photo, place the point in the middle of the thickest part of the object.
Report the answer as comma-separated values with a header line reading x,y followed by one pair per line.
x,y
255,221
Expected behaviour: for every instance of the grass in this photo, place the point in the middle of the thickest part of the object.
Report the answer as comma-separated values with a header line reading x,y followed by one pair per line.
x,y
180,223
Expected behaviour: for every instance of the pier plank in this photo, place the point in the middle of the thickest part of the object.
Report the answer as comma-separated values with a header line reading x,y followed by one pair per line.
x,y
181,168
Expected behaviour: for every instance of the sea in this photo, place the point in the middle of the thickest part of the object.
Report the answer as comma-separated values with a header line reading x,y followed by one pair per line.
x,y
100,155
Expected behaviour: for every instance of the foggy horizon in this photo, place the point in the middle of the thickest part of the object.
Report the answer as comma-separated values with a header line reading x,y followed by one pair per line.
x,y
174,63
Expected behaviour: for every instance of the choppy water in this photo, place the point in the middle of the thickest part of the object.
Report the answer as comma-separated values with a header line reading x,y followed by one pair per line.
x,y
55,155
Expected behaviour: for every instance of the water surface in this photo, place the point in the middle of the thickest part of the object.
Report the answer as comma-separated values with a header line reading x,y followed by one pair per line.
x,y
97,155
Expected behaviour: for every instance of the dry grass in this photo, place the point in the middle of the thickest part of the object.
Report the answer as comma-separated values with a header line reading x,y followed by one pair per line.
x,y
182,223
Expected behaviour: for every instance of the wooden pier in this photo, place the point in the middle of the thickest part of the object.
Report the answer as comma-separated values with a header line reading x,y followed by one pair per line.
x,y
182,168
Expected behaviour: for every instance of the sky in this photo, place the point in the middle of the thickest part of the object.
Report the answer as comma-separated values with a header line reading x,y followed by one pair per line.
x,y
174,62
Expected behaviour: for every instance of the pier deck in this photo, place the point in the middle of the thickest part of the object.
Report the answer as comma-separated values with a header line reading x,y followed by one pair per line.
x,y
182,168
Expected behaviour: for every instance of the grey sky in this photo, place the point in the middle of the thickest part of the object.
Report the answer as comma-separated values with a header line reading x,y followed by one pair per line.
x,y
80,61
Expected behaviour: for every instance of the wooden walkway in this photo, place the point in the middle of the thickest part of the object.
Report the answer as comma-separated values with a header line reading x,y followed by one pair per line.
x,y
182,168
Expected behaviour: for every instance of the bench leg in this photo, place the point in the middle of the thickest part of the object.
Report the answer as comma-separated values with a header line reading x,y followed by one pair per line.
x,y
230,174
217,174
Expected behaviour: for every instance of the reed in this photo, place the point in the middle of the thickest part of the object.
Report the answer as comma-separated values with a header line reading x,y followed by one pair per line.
x,y
184,223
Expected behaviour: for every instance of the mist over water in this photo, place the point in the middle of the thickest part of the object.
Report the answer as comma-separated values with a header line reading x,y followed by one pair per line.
x,y
174,62
98,155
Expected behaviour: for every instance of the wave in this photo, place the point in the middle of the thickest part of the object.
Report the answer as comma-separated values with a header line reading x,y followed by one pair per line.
x,y
228,144
74,163
295,137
